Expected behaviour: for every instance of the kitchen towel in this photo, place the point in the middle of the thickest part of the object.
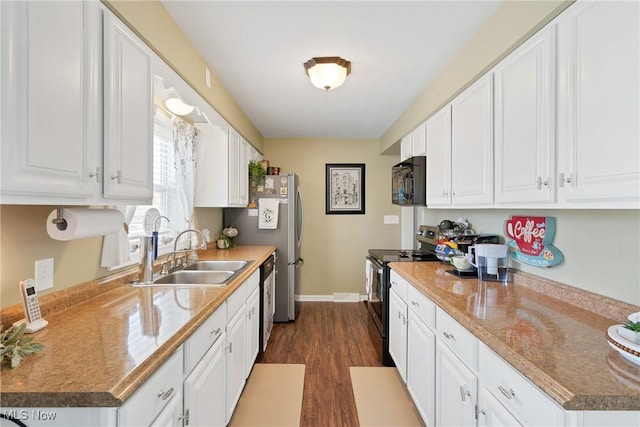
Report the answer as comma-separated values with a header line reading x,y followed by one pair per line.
x,y
82,223
268,213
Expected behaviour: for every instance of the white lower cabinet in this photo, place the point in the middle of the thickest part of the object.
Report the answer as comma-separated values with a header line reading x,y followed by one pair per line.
x,y
172,415
239,335
161,389
492,413
517,395
398,322
253,329
421,367
204,388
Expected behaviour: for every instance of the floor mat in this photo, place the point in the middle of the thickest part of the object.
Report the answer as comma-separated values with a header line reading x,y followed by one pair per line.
x,y
272,396
382,399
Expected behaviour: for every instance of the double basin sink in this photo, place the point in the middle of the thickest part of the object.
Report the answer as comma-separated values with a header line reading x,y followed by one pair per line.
x,y
201,273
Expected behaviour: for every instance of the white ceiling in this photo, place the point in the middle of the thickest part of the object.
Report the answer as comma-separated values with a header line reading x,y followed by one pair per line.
x,y
257,50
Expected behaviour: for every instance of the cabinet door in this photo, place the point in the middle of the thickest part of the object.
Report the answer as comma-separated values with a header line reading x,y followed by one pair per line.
x,y
421,369
253,329
418,141
212,173
456,388
172,414
128,114
235,359
599,114
235,142
243,170
524,122
405,148
398,332
204,388
472,144
438,134
492,414
45,93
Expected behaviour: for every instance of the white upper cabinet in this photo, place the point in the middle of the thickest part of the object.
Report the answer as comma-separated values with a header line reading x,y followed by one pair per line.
x,y
128,113
472,145
51,89
414,144
524,122
438,135
45,92
598,104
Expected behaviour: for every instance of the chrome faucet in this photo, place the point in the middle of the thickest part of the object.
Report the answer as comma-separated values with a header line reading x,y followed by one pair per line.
x,y
175,243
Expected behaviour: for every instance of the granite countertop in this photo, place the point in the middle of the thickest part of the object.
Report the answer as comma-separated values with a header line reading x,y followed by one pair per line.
x,y
553,334
105,338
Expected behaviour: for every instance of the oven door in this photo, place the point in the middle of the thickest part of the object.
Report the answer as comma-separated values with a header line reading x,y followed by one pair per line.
x,y
375,291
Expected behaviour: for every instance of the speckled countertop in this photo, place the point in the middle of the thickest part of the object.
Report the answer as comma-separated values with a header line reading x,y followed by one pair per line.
x,y
555,335
104,339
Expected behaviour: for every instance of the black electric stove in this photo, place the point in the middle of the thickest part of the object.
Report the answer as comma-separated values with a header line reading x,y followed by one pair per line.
x,y
378,285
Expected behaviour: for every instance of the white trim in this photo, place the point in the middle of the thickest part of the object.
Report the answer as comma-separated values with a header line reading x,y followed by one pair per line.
x,y
331,298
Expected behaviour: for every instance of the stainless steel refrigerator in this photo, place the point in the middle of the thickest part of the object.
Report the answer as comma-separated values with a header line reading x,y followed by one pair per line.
x,y
287,235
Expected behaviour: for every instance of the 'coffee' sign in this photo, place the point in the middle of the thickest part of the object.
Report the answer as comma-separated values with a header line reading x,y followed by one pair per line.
x,y
532,237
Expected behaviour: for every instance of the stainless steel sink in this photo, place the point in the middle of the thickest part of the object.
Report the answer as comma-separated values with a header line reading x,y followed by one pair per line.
x,y
184,278
217,265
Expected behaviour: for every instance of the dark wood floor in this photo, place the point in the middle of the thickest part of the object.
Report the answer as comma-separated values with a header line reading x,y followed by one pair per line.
x,y
327,338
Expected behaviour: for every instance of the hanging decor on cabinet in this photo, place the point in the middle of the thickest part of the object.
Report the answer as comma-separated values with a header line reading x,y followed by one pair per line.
x,y
532,237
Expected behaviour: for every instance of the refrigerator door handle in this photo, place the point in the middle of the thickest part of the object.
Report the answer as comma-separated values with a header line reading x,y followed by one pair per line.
x,y
301,214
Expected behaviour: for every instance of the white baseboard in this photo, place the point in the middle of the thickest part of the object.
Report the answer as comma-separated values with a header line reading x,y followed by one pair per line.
x,y
336,297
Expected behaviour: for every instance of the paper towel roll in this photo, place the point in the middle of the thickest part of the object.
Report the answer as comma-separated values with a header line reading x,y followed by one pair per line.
x,y
82,223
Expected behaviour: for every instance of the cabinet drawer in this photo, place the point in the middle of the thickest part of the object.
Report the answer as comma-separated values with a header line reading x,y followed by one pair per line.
x,y
457,338
525,401
399,284
151,397
202,339
237,300
422,306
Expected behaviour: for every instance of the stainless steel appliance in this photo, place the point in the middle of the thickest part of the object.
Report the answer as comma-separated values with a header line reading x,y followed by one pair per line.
x,y
287,236
408,182
377,273
267,306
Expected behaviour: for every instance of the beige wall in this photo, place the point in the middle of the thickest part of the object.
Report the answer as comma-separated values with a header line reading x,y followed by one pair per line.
x,y
151,21
24,239
512,24
334,246
596,258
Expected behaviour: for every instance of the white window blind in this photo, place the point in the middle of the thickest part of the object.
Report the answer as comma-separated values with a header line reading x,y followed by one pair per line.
x,y
166,194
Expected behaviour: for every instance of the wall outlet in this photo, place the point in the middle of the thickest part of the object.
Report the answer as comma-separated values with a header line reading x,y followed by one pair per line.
x,y
391,219
44,274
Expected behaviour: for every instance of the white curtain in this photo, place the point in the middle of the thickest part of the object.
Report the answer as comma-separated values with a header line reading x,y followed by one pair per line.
x,y
186,146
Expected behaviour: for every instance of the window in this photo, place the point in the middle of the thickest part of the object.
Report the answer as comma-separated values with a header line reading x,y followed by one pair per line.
x,y
166,193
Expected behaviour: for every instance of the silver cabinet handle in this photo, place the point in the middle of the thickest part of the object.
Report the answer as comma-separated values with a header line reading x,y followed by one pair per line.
x,y
215,331
164,395
448,336
230,347
540,183
415,304
96,174
117,177
464,393
562,180
509,394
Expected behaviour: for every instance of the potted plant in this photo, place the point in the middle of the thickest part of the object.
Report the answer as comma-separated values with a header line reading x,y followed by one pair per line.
x,y
630,331
256,173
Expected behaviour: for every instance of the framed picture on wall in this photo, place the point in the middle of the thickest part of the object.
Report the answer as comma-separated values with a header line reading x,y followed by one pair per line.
x,y
344,188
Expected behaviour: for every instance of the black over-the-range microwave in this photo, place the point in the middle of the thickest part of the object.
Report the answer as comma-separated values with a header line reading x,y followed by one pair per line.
x,y
409,181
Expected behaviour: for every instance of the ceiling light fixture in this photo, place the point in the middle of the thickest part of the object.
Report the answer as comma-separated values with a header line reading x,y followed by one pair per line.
x,y
176,105
327,72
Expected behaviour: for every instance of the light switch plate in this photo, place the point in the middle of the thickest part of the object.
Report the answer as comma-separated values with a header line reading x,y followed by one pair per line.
x,y
44,274
391,219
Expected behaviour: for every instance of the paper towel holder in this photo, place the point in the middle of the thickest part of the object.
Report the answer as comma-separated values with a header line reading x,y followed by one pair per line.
x,y
59,221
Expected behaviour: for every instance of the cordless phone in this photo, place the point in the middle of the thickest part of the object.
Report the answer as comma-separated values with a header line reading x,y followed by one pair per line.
x,y
31,307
